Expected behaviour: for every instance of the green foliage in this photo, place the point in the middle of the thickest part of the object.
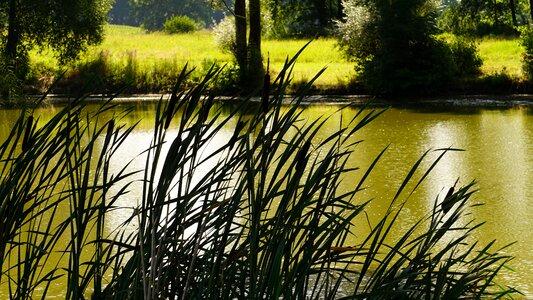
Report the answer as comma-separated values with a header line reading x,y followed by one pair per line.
x,y
393,45
425,68
152,14
180,24
358,37
481,18
10,85
122,13
68,27
224,34
465,56
526,40
303,18
256,217
90,76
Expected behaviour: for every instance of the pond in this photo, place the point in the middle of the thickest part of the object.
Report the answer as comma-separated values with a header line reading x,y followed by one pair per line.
x,y
498,155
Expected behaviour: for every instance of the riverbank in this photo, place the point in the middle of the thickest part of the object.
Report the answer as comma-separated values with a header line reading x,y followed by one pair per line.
x,y
140,62
464,101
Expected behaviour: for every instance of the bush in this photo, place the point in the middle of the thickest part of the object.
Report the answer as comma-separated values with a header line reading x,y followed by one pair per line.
x,y
465,56
356,37
180,24
427,68
224,33
392,59
526,40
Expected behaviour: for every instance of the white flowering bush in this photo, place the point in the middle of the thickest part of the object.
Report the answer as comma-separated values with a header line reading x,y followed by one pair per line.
x,y
356,31
224,33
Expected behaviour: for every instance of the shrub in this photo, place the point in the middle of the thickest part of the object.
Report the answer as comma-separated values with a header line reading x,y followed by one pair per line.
x,y
392,59
356,37
526,40
465,56
224,33
179,24
425,69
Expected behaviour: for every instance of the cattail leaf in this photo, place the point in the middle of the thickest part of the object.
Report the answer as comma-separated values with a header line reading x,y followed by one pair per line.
x,y
27,134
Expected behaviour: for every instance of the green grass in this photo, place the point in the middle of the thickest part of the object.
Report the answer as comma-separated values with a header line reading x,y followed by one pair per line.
x,y
501,56
152,60
152,51
319,54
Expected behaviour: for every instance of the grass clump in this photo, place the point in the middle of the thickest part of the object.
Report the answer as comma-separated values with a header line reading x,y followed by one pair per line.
x,y
259,216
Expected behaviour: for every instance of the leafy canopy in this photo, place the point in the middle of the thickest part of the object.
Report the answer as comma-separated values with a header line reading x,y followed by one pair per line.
x,y
66,26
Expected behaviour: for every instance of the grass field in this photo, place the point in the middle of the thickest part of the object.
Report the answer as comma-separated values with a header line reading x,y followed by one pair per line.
x,y
153,60
501,55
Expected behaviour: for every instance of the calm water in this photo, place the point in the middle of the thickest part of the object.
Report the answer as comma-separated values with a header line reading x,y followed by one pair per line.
x,y
498,155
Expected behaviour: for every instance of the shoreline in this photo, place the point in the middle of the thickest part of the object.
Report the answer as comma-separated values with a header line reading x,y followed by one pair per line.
x,y
447,101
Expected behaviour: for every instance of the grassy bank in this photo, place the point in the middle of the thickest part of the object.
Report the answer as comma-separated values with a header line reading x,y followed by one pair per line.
x,y
151,62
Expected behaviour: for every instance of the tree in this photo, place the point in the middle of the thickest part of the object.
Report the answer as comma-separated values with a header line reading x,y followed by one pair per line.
x,y
66,26
393,45
484,17
122,13
304,17
248,51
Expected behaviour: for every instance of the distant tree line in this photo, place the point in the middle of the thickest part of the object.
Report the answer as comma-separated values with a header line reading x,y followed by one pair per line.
x,y
152,14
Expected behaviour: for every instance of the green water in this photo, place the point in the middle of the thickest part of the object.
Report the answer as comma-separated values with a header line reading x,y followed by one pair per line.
x,y
498,155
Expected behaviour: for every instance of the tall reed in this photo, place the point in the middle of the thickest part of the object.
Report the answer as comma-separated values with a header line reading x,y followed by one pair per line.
x,y
261,216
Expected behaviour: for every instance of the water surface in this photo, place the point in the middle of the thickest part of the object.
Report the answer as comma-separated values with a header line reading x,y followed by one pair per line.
x,y
498,155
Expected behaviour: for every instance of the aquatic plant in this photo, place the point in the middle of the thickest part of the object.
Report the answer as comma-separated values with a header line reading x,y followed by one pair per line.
x,y
266,220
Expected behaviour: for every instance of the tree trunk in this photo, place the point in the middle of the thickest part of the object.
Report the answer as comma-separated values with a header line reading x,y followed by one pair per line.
x,y
531,8
255,61
240,37
322,13
13,35
513,12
